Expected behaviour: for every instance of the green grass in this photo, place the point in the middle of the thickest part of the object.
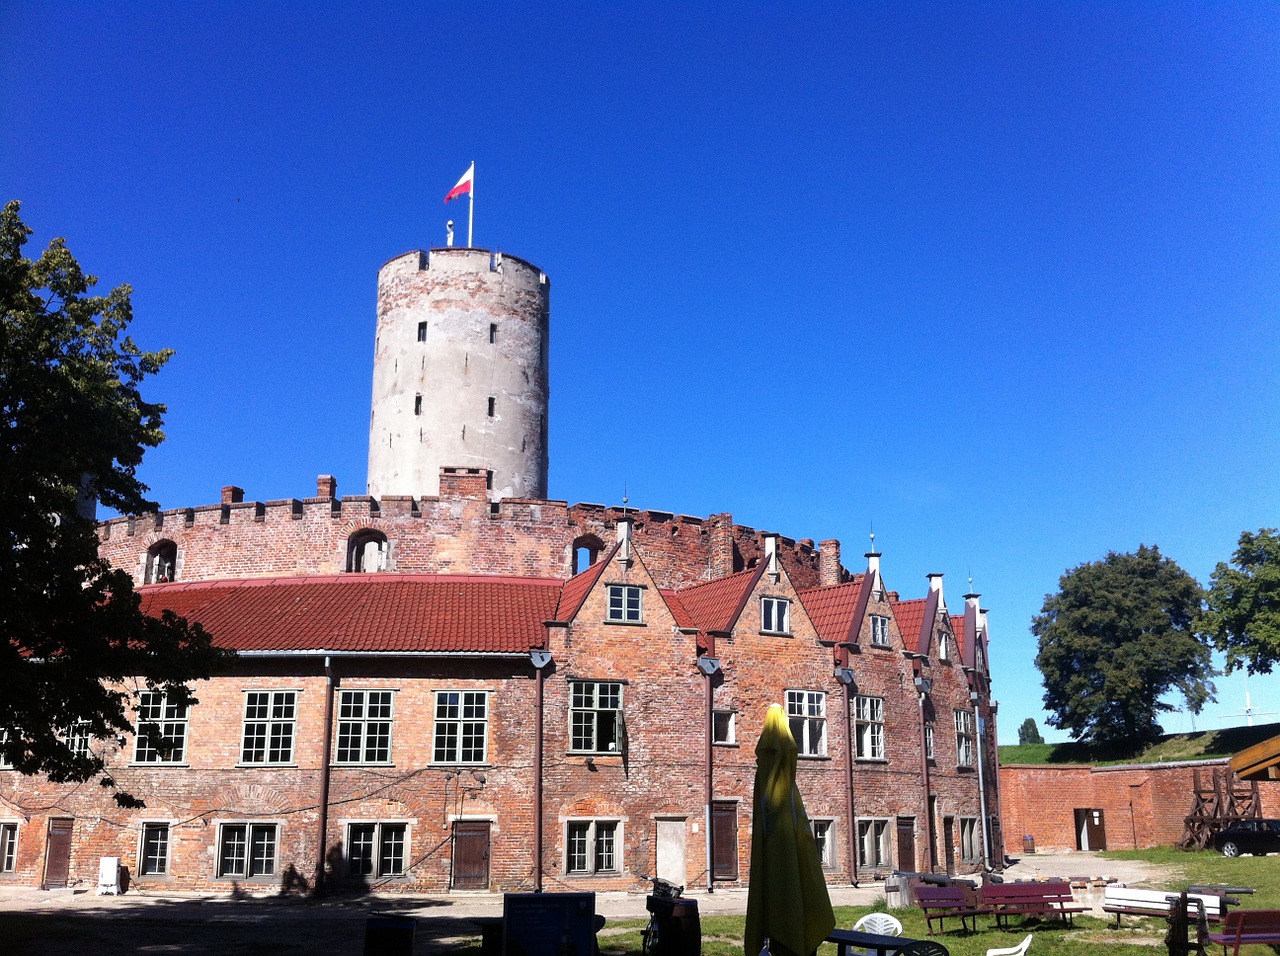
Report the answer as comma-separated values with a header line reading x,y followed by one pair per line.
x,y
1202,745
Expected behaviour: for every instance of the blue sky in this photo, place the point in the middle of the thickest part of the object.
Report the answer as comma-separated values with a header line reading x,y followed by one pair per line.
x,y
1000,280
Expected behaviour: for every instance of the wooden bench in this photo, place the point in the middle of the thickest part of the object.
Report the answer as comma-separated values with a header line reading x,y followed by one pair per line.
x,y
941,902
1126,901
1030,899
1248,926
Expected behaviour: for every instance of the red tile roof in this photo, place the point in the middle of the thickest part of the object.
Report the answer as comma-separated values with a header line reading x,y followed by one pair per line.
x,y
405,613
579,586
715,605
910,617
677,609
957,628
834,609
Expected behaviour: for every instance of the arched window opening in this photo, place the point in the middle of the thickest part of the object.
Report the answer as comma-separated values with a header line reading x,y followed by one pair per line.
x,y
367,551
586,552
162,563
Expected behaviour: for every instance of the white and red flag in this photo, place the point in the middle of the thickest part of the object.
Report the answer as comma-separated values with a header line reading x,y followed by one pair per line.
x,y
464,184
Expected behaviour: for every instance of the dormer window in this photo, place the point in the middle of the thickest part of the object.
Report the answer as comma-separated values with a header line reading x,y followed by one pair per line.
x,y
879,630
775,615
624,604
162,563
367,551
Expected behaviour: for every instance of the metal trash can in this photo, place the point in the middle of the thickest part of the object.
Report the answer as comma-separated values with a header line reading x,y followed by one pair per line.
x,y
1029,843
389,935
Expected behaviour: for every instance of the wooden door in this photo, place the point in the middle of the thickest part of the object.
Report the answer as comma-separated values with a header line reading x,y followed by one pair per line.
x,y
907,844
949,843
724,841
471,855
57,860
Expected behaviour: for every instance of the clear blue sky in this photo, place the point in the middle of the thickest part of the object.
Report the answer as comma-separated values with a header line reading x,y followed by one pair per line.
x,y
1001,279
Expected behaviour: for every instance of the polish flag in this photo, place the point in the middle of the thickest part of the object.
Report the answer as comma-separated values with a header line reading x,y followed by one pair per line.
x,y
464,184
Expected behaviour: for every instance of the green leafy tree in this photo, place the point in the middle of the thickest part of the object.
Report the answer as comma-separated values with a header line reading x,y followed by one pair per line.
x,y
1119,635
1029,733
74,644
1243,614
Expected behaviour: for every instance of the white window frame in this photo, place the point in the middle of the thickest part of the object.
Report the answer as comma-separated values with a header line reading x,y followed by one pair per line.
x,y
823,833
869,727
807,716
944,646
154,826
928,742
368,737
970,845
78,738
964,738
593,846
724,727
626,604
461,731
171,723
250,864
775,615
5,762
384,832
274,731
873,843
585,712
8,846
879,630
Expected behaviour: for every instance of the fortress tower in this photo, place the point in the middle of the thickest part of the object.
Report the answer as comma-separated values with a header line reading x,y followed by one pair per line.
x,y
460,373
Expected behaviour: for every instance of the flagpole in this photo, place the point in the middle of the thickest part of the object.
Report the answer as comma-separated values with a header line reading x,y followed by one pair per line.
x,y
471,204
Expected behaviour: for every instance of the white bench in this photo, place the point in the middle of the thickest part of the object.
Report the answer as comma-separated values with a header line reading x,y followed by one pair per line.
x,y
1124,900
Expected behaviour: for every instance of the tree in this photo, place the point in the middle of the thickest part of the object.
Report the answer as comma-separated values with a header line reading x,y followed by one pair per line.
x,y
1029,733
1243,613
1119,635
74,643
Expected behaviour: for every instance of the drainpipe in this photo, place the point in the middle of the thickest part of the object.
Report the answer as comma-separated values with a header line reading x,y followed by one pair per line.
x,y
710,666
325,756
541,659
845,676
975,697
992,706
924,685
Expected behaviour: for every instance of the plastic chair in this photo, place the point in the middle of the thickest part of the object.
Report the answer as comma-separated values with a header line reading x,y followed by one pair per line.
x,y
1019,950
881,923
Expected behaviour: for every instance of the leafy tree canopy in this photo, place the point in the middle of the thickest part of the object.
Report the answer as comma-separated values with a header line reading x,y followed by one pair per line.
x,y
1118,636
1029,733
74,644
1243,615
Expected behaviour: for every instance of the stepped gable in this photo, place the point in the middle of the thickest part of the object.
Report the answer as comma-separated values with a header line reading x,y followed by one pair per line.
x,y
715,605
577,588
837,610
911,619
390,613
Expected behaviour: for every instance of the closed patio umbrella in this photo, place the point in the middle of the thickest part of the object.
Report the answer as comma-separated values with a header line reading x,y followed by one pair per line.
x,y
787,899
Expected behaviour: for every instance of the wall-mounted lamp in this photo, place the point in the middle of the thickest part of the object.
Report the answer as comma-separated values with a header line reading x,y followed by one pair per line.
x,y
709,665
845,676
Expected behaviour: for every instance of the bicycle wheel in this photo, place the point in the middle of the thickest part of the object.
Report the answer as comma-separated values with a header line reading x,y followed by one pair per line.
x,y
649,938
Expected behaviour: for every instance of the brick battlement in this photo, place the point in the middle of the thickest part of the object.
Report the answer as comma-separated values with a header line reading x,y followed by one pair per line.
x,y
458,531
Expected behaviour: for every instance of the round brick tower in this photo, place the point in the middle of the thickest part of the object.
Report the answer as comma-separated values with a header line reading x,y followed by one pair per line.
x,y
460,373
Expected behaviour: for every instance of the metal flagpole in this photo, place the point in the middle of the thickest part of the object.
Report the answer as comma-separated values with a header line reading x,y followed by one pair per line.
x,y
471,205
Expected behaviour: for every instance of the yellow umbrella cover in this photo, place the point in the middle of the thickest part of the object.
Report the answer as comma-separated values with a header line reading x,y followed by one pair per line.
x,y
787,898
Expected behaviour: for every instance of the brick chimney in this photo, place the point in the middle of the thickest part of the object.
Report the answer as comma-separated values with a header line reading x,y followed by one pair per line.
x,y
829,562
326,486
231,495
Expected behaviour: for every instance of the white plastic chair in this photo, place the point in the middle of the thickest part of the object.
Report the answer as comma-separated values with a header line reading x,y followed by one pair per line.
x,y
1019,950
881,923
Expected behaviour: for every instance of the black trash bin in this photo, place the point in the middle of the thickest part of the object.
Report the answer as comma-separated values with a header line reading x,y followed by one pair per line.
x,y
1029,843
684,930
389,935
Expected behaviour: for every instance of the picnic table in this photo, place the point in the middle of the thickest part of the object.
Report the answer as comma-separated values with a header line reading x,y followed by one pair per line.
x,y
881,945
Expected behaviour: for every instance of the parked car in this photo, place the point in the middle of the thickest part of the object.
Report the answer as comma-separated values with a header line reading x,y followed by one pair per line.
x,y
1258,837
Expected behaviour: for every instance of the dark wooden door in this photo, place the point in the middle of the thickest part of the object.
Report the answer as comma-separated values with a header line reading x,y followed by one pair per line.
x,y
949,843
724,841
907,844
57,860
471,855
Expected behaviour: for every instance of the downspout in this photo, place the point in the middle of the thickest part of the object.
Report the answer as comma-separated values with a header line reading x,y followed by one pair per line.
x,y
924,685
541,659
325,755
845,676
975,697
710,666
995,776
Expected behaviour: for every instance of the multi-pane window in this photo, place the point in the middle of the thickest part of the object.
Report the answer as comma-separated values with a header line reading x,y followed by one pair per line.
x,y
462,726
162,729
723,727
807,715
822,837
775,615
928,741
624,603
869,727
269,720
247,850
873,843
964,738
153,856
5,762
968,838
364,726
376,849
595,717
879,630
8,847
79,738
592,846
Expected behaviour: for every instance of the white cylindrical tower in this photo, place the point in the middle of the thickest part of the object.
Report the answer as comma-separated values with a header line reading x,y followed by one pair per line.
x,y
460,373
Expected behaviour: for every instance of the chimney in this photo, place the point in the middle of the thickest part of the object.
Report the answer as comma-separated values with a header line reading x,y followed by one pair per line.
x,y
829,562
624,539
231,495
771,557
326,486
